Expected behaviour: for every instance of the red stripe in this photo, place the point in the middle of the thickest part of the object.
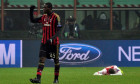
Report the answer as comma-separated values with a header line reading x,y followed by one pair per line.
x,y
57,40
54,27
51,26
39,73
56,74
43,35
47,32
42,19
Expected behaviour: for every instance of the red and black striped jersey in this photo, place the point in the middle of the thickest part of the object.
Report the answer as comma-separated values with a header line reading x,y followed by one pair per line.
x,y
49,27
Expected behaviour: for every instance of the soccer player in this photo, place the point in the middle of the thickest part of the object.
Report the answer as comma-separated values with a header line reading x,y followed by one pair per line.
x,y
110,70
49,48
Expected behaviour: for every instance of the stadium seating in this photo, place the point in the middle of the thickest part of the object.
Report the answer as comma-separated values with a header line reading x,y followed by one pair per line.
x,y
82,3
22,2
127,2
60,2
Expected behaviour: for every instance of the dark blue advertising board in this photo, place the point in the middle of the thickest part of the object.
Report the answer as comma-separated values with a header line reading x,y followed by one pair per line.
x,y
11,53
88,53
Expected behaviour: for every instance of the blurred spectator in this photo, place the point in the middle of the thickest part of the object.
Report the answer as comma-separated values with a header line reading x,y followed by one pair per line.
x,y
88,22
102,21
116,23
8,22
66,30
41,2
71,28
138,24
103,16
71,22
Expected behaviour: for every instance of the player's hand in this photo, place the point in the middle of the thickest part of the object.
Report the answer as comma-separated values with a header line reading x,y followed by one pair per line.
x,y
32,7
51,41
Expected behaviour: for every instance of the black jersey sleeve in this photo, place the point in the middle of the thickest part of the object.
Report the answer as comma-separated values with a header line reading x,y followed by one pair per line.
x,y
34,20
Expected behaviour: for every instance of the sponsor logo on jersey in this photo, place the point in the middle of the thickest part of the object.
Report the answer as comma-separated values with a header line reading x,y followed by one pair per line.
x,y
46,24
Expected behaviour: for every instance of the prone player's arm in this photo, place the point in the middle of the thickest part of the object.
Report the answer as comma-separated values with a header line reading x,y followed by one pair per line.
x,y
34,20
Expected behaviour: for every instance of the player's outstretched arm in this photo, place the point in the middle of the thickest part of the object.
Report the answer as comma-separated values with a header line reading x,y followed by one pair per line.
x,y
97,73
34,20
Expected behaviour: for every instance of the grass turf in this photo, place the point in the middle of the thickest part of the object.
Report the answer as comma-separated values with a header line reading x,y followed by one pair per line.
x,y
69,75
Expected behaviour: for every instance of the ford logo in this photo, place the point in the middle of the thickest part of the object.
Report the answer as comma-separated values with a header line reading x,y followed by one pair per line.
x,y
75,53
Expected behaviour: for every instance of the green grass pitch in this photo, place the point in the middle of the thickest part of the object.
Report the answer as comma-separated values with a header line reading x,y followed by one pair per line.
x,y
69,75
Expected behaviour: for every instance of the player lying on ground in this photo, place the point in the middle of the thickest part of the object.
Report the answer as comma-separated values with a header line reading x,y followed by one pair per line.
x,y
110,70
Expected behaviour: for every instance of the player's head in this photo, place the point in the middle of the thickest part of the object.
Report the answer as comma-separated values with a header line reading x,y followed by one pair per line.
x,y
111,71
47,7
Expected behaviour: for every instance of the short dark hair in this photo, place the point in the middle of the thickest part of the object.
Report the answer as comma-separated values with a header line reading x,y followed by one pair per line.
x,y
111,71
49,5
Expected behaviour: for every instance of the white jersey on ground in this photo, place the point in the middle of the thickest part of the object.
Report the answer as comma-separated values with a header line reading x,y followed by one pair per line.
x,y
105,71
